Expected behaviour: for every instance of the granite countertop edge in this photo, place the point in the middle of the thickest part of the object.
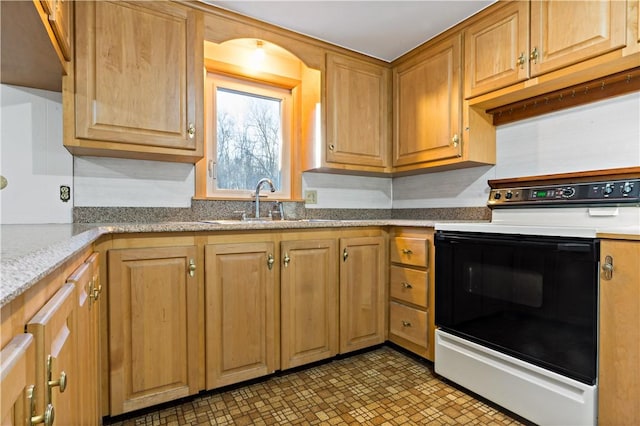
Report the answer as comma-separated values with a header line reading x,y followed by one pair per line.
x,y
19,273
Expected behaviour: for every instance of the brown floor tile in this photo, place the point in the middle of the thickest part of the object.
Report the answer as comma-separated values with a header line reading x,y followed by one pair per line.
x,y
380,387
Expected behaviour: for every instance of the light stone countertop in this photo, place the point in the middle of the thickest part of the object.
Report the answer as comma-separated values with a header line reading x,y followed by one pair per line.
x,y
30,252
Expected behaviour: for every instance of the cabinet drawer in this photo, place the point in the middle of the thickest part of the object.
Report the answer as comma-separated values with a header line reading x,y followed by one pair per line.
x,y
408,323
409,251
409,285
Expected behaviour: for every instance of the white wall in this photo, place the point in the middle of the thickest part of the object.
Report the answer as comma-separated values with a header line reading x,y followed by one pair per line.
x,y
33,160
596,136
116,182
348,192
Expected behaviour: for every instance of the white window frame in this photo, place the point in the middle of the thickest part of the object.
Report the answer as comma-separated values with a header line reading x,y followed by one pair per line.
x,y
214,81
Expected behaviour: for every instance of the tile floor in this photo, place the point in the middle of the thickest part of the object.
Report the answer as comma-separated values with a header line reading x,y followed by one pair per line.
x,y
379,387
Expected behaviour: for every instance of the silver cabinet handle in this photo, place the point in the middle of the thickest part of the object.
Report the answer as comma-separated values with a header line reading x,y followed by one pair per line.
x,y
406,324
406,284
191,130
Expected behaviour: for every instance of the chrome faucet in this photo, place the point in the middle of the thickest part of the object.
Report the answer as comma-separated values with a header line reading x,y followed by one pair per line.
x,y
260,182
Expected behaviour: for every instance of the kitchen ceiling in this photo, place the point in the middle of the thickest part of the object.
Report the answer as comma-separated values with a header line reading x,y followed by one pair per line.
x,y
381,29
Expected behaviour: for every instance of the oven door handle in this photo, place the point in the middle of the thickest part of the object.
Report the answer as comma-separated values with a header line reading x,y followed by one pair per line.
x,y
575,247
516,241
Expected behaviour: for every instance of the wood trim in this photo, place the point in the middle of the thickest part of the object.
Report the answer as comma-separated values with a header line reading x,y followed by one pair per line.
x,y
594,90
574,177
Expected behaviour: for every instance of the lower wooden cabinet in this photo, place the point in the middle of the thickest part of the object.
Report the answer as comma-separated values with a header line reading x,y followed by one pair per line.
x,y
85,279
58,377
309,301
362,292
240,289
193,312
17,377
153,326
411,291
619,347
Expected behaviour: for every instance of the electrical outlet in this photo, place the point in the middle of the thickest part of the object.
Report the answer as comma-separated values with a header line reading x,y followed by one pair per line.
x,y
311,197
65,193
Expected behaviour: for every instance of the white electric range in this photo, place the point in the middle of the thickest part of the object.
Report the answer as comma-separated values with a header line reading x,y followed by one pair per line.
x,y
516,300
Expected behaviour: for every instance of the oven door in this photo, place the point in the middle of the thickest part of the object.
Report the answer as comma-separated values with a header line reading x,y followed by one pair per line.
x,y
531,297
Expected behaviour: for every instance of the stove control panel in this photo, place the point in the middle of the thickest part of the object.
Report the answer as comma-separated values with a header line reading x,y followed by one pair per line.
x,y
614,192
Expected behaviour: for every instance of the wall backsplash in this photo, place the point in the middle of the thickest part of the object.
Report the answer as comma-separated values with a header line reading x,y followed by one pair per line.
x,y
33,160
601,135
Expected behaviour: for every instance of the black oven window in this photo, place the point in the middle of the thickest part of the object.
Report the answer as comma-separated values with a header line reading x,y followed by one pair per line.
x,y
536,300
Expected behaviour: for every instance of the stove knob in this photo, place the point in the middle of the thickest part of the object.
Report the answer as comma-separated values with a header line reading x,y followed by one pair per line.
x,y
568,192
509,195
497,196
608,189
627,187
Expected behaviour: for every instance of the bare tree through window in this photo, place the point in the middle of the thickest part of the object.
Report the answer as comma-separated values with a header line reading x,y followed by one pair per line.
x,y
249,139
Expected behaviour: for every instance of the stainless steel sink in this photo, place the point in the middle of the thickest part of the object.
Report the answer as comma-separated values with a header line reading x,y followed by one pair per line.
x,y
261,220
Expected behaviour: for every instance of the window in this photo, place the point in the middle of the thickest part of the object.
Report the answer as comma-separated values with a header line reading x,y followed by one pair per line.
x,y
249,136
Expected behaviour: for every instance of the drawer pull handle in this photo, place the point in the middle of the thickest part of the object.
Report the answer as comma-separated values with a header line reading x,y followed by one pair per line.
x,y
406,284
47,417
406,251
406,324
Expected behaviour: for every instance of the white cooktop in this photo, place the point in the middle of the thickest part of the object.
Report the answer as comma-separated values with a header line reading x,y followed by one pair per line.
x,y
584,222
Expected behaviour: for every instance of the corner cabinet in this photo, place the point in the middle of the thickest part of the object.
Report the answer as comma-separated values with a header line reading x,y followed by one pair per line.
x,y
619,350
137,87
153,326
358,114
428,106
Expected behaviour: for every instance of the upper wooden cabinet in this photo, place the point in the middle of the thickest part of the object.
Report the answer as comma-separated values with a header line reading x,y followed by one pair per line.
x,y
496,49
358,120
518,40
138,86
36,42
428,106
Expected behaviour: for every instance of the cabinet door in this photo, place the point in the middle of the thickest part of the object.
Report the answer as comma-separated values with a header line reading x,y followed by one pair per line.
x,y
362,292
309,304
54,331
17,377
428,107
153,326
136,79
88,320
357,112
619,350
567,32
240,312
60,21
497,49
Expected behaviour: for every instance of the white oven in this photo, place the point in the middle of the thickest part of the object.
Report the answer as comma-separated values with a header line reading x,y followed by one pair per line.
x,y
517,299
